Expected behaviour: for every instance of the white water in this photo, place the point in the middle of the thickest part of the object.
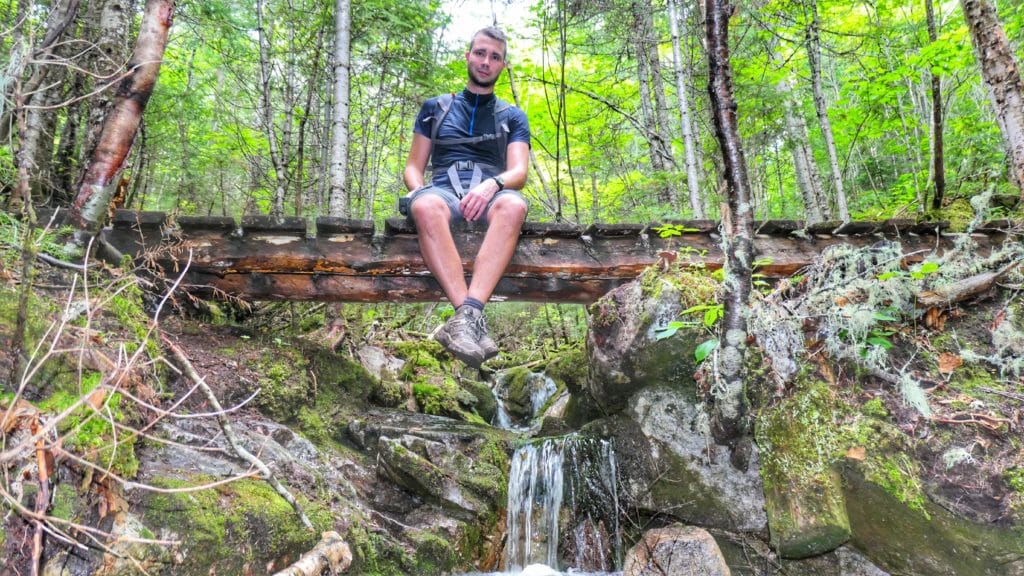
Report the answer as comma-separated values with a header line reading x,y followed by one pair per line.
x,y
535,482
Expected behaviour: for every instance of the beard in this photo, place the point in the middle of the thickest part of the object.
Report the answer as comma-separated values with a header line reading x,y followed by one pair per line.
x,y
481,83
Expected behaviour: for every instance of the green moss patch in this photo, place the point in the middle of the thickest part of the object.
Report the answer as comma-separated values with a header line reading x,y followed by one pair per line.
x,y
232,526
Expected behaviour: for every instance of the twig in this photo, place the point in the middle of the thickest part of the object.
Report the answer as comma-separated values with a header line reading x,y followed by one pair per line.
x,y
1011,395
43,257
229,432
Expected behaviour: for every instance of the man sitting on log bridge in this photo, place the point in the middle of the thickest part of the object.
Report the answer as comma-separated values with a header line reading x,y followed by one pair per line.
x,y
478,146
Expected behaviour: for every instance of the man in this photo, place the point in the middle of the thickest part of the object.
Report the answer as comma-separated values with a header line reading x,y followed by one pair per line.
x,y
479,148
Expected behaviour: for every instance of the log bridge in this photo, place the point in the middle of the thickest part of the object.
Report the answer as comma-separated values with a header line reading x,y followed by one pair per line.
x,y
336,259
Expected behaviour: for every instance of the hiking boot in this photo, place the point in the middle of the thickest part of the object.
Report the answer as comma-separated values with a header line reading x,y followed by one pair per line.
x,y
487,344
460,336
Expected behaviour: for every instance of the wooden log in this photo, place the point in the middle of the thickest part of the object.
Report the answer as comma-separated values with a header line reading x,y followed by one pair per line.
x,y
266,259
331,555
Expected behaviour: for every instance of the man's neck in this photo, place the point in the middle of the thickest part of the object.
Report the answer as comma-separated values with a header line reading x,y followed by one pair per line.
x,y
481,90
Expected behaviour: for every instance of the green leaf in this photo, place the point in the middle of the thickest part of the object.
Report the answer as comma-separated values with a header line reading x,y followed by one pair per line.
x,y
705,348
885,317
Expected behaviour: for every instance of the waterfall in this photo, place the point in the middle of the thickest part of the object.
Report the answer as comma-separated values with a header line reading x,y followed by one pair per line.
x,y
582,473
501,416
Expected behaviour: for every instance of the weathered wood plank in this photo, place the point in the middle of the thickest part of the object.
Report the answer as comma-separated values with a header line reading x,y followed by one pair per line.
x,y
345,261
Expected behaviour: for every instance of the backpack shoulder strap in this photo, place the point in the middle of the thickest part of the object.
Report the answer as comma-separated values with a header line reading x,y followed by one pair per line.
x,y
441,109
501,130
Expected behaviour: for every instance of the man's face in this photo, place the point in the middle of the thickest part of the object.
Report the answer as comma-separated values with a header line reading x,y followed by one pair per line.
x,y
485,60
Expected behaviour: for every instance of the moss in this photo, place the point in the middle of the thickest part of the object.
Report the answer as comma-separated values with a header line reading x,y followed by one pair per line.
x,y
569,369
483,399
376,555
434,555
694,284
438,399
38,313
604,312
225,528
312,426
65,502
1015,479
387,393
418,354
798,437
89,433
338,376
875,408
284,383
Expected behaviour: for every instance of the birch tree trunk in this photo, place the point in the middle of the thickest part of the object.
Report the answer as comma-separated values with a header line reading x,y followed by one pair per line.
x,y
338,204
122,123
276,154
105,60
814,60
938,164
686,125
730,408
808,179
643,67
1001,74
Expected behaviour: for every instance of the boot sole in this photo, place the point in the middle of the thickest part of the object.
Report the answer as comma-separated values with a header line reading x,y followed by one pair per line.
x,y
465,357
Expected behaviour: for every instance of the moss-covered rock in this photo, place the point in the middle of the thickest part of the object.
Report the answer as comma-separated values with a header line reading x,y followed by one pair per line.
x,y
648,342
232,528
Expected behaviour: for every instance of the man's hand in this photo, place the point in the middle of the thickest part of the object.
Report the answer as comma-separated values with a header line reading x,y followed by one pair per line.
x,y
475,201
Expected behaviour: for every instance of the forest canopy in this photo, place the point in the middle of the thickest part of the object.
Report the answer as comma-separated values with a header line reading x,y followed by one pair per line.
x,y
836,99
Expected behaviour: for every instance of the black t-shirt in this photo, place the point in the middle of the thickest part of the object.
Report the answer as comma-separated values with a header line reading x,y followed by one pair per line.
x,y
470,115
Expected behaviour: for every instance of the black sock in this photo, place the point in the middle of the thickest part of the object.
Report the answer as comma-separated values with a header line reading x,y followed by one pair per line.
x,y
473,303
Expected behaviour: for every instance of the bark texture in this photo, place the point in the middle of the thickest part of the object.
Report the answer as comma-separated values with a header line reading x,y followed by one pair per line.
x,y
730,404
339,202
1001,74
332,554
808,179
122,123
276,153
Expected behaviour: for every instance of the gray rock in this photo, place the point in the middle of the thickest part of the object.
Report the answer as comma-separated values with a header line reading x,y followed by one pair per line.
x,y
675,551
379,363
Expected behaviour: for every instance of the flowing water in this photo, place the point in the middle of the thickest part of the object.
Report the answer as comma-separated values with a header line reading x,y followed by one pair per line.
x,y
540,388
570,480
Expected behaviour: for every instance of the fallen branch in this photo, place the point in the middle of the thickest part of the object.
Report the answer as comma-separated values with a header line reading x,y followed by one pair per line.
x,y
990,423
1011,395
229,432
332,553
962,289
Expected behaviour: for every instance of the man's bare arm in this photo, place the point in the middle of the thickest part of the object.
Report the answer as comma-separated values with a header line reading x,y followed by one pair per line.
x,y
416,163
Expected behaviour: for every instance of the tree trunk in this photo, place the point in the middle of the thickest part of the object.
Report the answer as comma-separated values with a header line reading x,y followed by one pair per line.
x,y
938,163
276,154
686,125
814,60
122,123
661,125
730,405
643,66
808,179
1002,78
339,202
105,61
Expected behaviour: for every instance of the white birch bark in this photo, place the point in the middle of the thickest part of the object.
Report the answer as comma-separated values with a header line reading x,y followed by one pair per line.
x,y
814,60
338,205
685,122
807,178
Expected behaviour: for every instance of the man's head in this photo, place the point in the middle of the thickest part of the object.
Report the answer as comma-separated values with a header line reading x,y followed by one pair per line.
x,y
485,58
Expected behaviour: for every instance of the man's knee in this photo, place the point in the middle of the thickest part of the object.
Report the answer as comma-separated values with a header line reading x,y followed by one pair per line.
x,y
508,207
430,207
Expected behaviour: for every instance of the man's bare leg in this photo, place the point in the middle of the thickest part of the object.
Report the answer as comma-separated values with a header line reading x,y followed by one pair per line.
x,y
433,219
505,219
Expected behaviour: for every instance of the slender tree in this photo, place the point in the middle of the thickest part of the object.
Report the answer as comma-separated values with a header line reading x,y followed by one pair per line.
x,y
339,201
938,164
276,153
814,60
685,122
737,222
1001,74
808,179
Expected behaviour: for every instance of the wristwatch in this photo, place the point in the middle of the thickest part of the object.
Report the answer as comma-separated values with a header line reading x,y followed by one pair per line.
x,y
499,181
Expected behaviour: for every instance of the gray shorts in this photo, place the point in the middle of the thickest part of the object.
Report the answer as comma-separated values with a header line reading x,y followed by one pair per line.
x,y
452,200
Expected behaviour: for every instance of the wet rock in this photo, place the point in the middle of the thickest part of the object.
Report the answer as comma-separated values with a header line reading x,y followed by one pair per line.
x,y
670,464
627,341
676,549
929,542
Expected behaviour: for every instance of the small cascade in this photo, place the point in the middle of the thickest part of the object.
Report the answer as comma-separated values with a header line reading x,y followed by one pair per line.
x,y
563,506
520,398
535,489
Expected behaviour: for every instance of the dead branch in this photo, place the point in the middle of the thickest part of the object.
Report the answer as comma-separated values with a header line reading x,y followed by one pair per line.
x,y
332,553
229,433
962,289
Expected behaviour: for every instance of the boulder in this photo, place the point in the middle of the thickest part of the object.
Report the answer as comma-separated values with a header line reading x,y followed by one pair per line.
x,y
676,549
669,463
633,343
